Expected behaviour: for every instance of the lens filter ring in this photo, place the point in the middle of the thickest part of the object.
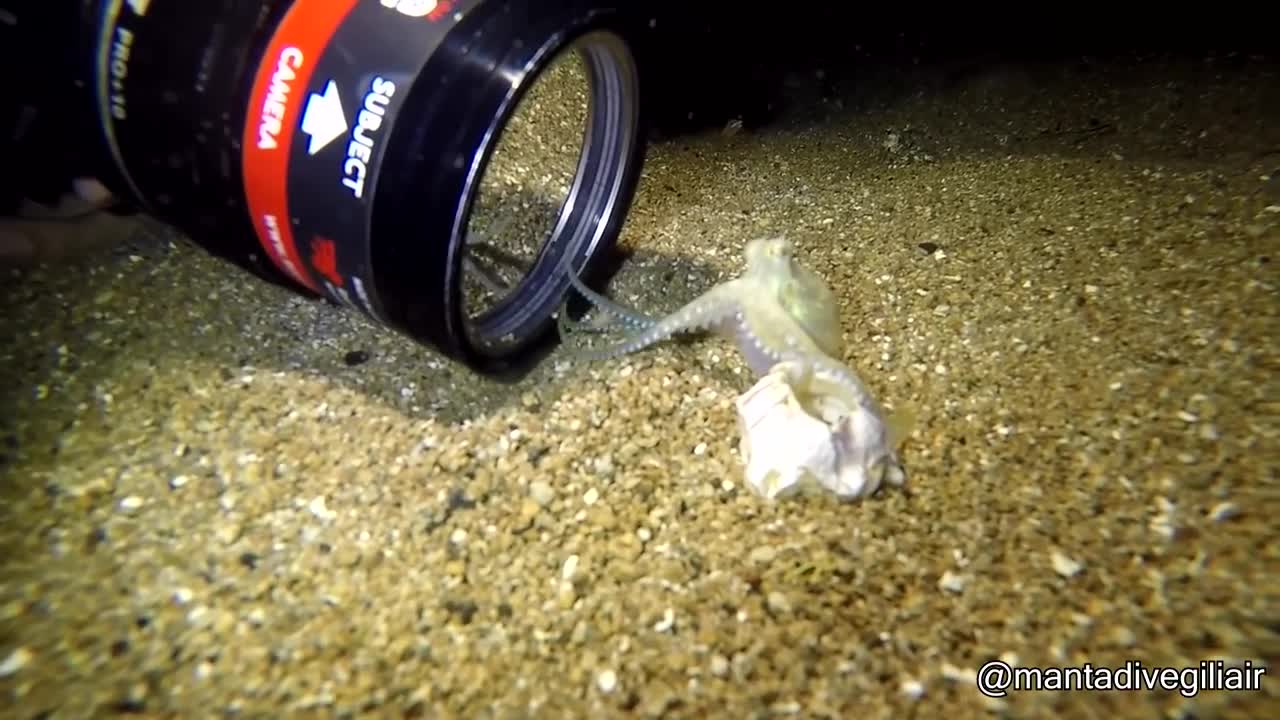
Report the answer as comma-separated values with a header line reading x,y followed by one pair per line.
x,y
462,105
594,204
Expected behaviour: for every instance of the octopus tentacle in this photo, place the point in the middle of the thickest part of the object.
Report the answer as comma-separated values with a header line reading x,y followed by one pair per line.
x,y
832,379
627,316
712,311
759,356
569,327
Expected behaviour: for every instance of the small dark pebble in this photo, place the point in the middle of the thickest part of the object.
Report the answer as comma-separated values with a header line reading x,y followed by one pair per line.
x,y
458,500
119,647
536,453
630,702
96,538
454,551
435,519
249,560
355,357
928,247
505,611
130,707
465,610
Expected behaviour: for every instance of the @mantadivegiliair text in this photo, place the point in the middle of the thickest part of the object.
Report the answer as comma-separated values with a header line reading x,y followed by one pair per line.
x,y
997,678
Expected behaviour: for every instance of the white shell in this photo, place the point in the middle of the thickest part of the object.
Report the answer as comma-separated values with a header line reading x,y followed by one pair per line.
x,y
788,451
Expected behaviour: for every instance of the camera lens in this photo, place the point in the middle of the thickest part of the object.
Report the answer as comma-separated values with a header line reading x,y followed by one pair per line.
x,y
437,165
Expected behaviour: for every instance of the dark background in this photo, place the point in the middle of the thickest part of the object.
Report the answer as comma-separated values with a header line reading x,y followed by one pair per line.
x,y
708,62
718,61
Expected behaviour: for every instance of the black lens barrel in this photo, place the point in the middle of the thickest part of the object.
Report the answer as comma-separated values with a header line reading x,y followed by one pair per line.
x,y
336,147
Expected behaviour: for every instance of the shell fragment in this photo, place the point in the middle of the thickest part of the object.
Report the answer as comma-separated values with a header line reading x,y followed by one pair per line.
x,y
790,451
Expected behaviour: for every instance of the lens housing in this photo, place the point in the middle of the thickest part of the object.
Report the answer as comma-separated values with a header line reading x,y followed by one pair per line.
x,y
337,147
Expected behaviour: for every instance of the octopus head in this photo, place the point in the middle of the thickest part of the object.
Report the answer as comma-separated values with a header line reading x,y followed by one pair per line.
x,y
769,255
802,293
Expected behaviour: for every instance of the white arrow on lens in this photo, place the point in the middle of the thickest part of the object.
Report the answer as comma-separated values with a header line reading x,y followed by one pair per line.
x,y
323,119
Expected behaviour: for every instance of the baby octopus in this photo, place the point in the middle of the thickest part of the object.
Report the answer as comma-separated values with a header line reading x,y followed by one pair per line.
x,y
782,316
